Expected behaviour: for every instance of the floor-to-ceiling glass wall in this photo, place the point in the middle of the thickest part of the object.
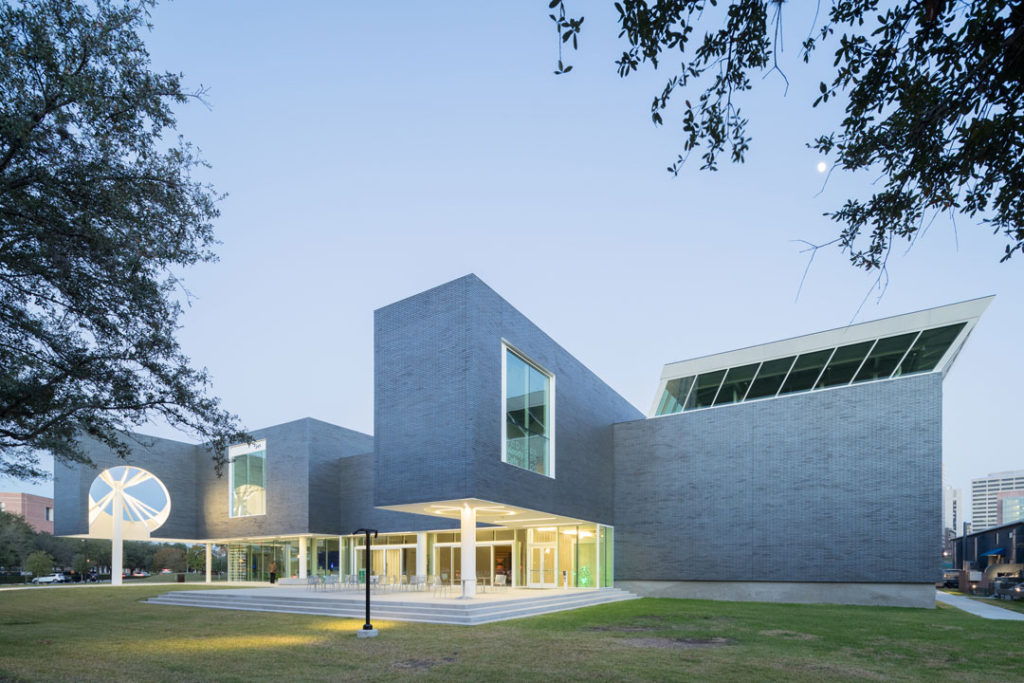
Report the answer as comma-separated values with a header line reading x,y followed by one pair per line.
x,y
254,561
391,555
574,556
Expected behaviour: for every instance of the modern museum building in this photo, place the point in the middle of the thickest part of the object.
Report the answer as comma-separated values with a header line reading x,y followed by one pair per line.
x,y
802,470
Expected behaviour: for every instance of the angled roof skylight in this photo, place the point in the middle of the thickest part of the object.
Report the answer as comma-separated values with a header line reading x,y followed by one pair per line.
x,y
926,341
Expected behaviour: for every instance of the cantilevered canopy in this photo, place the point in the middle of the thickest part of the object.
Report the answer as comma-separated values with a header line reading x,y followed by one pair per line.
x,y
914,343
487,512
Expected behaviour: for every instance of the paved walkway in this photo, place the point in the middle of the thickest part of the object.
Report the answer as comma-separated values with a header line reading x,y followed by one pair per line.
x,y
978,608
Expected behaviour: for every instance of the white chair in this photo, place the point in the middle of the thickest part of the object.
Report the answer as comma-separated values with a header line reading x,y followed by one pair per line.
x,y
312,582
331,582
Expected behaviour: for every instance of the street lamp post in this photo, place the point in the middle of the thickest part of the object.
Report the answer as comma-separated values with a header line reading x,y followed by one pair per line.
x,y
368,631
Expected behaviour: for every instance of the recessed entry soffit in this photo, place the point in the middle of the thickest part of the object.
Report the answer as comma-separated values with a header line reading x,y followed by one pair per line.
x,y
487,512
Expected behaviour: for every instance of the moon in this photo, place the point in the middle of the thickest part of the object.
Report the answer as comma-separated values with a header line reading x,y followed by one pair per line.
x,y
822,166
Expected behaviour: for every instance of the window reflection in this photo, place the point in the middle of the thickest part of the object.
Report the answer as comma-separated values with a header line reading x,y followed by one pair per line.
x,y
527,415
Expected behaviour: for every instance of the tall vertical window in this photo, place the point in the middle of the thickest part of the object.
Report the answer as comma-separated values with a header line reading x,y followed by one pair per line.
x,y
529,414
248,478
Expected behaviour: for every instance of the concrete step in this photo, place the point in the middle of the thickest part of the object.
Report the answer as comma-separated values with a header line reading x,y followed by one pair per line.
x,y
440,610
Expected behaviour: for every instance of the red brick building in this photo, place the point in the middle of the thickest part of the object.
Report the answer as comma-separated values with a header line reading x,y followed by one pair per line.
x,y
36,510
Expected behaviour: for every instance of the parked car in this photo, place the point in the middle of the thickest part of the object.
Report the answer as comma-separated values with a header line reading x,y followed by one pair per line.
x,y
52,578
140,573
950,579
1009,588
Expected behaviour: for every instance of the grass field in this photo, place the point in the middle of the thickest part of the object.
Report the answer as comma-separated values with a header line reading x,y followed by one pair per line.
x,y
104,633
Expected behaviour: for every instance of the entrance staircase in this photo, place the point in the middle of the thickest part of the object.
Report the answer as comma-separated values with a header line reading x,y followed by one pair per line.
x,y
393,607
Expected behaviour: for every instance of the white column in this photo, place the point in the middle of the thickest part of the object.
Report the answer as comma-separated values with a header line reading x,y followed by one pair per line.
x,y
117,540
468,551
421,554
209,563
303,545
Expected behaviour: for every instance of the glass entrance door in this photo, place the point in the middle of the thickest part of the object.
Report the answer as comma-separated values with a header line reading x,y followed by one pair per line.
x,y
542,559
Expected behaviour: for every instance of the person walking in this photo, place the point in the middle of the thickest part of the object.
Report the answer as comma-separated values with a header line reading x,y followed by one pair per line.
x,y
273,572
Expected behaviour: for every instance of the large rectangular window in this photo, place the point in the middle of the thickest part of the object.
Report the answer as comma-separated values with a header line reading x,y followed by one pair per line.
x,y
248,478
528,415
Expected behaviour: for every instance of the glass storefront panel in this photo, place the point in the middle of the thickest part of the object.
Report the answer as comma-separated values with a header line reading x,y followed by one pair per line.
x,y
254,561
484,570
586,557
393,563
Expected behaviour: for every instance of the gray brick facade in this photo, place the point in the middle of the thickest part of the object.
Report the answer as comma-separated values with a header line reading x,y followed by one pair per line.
x,y
176,464
304,492
438,407
838,485
822,488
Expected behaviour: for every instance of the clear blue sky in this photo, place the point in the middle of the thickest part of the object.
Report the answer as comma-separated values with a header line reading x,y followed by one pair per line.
x,y
372,150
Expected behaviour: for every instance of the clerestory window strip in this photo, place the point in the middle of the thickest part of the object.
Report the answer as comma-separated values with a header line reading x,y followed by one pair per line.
x,y
918,352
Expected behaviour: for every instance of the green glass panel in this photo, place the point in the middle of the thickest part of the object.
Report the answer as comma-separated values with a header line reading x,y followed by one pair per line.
x,y
674,396
884,358
929,349
707,387
769,377
844,364
736,383
805,371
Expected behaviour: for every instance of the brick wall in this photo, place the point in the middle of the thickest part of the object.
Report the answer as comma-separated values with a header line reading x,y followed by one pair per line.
x,y
837,485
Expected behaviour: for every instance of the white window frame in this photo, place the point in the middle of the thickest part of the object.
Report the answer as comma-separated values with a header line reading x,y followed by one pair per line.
x,y
246,449
507,348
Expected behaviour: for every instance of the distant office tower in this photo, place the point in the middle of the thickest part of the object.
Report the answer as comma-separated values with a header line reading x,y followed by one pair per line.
x,y
952,509
986,510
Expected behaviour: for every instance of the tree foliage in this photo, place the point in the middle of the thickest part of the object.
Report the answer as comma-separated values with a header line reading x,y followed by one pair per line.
x,y
169,557
39,563
98,213
16,540
933,92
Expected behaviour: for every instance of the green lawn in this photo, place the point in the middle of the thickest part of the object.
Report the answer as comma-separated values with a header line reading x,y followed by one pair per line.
x,y
105,633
